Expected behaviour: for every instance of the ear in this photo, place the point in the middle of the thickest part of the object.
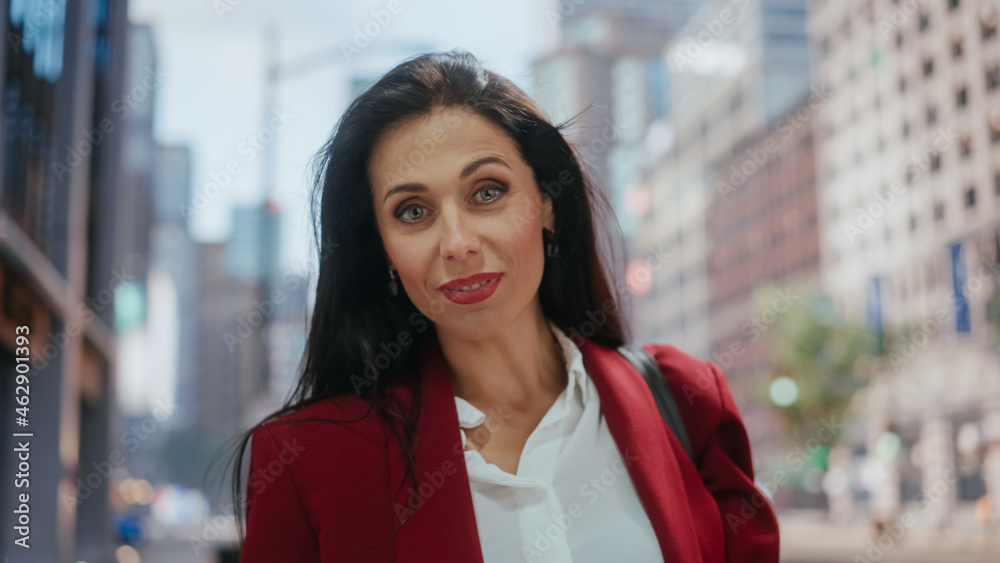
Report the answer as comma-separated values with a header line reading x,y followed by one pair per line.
x,y
548,213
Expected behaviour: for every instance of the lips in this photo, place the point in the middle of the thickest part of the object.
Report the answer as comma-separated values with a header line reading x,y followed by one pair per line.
x,y
472,289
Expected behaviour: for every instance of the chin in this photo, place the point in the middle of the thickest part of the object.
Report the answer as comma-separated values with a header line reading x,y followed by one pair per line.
x,y
475,325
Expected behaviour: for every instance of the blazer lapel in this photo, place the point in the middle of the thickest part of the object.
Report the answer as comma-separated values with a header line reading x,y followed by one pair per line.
x,y
639,431
441,521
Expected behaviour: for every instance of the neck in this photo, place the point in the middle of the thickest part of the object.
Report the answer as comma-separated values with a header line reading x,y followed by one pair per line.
x,y
516,368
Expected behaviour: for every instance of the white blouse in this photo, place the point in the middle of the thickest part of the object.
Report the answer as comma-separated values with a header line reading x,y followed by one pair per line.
x,y
572,499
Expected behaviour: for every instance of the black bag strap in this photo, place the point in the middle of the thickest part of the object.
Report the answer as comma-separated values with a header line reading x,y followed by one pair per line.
x,y
647,366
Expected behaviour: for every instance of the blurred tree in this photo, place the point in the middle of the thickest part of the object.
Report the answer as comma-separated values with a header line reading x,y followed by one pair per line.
x,y
818,362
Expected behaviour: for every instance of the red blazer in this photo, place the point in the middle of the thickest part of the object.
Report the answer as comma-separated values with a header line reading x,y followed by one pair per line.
x,y
320,492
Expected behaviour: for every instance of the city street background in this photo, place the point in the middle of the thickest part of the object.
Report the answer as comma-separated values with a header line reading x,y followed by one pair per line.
x,y
808,194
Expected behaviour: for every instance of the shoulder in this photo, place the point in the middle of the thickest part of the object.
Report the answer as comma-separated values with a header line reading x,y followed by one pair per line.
x,y
687,375
344,422
701,391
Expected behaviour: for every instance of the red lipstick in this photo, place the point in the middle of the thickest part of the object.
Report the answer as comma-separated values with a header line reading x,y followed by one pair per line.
x,y
487,283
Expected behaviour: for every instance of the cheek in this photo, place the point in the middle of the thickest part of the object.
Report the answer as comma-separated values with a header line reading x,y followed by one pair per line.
x,y
524,239
527,231
408,258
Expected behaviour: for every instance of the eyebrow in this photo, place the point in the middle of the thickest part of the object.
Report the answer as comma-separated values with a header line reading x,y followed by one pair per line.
x,y
417,187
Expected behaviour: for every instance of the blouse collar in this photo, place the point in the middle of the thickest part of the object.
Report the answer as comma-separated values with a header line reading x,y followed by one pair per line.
x,y
578,382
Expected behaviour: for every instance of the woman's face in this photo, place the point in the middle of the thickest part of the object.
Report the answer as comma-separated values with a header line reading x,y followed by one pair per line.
x,y
454,200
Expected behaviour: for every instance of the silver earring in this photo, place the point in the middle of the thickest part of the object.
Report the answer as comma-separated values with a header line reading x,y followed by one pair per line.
x,y
551,248
393,286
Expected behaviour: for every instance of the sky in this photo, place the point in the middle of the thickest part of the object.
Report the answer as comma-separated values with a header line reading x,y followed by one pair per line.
x,y
214,54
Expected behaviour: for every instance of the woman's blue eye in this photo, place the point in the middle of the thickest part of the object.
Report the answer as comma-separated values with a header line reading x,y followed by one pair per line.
x,y
496,190
414,212
409,212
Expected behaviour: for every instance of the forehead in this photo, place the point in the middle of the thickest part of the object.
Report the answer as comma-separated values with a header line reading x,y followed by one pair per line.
x,y
438,143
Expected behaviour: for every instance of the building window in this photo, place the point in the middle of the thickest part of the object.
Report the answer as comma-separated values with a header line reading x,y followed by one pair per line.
x,y
962,97
996,183
931,115
906,130
952,4
970,197
988,22
993,77
994,119
965,146
925,21
957,48
899,39
938,211
928,67
913,223
936,162
902,84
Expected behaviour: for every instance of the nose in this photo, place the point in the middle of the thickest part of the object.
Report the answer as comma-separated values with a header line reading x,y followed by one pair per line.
x,y
459,238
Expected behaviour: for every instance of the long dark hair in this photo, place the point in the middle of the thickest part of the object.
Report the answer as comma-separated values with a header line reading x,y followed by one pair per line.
x,y
354,311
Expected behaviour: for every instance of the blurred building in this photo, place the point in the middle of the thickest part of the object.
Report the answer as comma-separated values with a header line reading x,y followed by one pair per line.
x,y
280,316
231,355
285,336
735,69
253,249
67,250
908,158
608,65
175,256
761,228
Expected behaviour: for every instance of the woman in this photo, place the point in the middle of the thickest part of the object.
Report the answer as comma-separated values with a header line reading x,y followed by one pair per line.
x,y
461,397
